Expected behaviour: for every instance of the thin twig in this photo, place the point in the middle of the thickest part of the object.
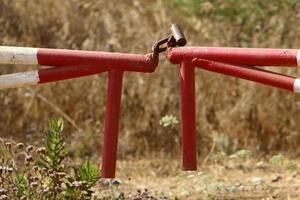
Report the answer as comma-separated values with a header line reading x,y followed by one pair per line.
x,y
210,152
56,108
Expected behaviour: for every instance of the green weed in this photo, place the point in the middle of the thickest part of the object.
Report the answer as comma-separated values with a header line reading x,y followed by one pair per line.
x,y
281,161
39,173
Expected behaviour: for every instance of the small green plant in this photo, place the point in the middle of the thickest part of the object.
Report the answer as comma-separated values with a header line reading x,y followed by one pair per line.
x,y
23,186
219,149
168,120
242,154
88,172
222,142
277,159
86,177
282,161
52,155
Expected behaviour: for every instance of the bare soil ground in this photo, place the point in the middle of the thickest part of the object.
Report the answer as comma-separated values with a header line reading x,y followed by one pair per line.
x,y
230,179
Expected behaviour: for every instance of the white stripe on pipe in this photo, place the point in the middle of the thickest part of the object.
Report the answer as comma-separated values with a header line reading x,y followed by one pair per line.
x,y
18,55
297,85
298,58
19,79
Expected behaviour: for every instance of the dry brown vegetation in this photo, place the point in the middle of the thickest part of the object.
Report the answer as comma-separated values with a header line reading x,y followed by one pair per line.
x,y
255,117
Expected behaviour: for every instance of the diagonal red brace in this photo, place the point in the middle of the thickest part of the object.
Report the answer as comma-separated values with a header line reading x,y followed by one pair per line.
x,y
250,73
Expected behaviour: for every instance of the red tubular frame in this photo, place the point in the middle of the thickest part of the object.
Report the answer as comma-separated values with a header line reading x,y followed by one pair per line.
x,y
237,62
67,64
188,117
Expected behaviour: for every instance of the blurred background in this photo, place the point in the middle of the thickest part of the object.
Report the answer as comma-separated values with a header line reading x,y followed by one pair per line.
x,y
245,115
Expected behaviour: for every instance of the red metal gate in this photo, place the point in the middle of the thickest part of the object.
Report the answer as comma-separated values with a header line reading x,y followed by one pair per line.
x,y
67,64
236,62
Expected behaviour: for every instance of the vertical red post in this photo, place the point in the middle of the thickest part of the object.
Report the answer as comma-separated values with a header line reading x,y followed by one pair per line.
x,y
111,129
188,118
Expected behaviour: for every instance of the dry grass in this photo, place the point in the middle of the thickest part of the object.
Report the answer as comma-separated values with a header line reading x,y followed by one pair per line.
x,y
253,116
260,180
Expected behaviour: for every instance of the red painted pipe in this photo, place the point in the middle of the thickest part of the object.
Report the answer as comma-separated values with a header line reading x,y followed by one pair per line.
x,y
241,56
188,117
68,72
105,60
111,129
67,64
51,74
63,57
250,73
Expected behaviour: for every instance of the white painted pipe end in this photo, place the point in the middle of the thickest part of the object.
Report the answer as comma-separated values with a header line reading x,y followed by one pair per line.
x,y
19,79
18,55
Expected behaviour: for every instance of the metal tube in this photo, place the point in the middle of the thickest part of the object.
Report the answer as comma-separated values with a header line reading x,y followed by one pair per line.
x,y
178,35
240,56
20,79
188,117
106,60
111,129
61,57
52,74
251,74
68,72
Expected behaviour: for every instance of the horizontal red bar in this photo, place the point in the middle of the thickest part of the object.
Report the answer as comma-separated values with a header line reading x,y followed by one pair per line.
x,y
249,73
105,60
241,56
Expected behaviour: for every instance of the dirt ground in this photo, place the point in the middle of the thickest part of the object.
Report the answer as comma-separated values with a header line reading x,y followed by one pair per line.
x,y
227,179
